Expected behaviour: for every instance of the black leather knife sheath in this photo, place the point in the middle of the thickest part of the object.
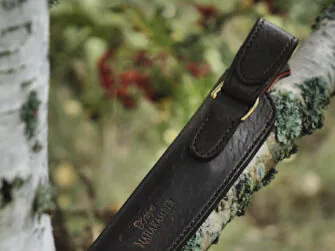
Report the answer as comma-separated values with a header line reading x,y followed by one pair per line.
x,y
209,154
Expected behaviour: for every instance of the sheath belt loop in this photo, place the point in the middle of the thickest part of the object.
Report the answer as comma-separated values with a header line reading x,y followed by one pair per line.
x,y
218,88
259,62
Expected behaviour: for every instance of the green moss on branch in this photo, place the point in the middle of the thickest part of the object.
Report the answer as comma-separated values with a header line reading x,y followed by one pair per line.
x,y
316,97
288,125
328,14
29,112
298,116
44,200
243,189
194,244
270,176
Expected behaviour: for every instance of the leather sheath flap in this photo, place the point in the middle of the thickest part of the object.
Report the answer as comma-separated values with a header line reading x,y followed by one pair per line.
x,y
267,48
261,58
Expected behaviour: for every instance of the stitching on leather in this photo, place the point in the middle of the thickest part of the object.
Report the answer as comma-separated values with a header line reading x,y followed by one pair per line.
x,y
223,185
196,138
206,154
281,55
216,146
283,51
258,28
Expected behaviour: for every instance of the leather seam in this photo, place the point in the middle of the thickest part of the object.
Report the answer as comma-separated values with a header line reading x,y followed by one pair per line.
x,y
283,51
206,154
250,44
224,184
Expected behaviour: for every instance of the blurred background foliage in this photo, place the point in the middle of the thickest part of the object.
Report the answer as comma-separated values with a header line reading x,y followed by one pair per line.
x,y
125,78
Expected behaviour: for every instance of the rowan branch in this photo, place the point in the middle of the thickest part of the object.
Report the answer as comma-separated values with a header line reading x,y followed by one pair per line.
x,y
300,100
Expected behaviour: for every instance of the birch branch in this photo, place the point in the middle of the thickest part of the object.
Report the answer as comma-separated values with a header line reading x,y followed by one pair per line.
x,y
299,100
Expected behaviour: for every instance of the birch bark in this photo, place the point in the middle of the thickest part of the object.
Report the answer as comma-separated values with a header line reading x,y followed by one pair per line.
x,y
24,77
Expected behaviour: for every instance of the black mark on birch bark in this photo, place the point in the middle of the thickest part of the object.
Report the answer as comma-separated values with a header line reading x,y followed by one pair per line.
x,y
27,83
6,190
7,53
52,3
37,147
10,5
13,69
27,26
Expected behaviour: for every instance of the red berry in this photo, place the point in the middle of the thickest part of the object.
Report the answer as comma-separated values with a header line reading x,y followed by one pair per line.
x,y
207,10
141,58
198,69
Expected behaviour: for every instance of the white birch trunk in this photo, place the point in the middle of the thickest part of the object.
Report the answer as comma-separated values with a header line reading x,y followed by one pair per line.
x,y
24,69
